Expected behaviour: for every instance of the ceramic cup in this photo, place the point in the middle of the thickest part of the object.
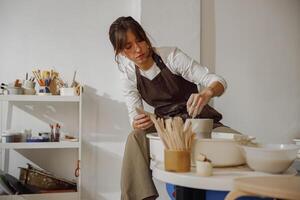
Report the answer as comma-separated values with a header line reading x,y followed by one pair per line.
x,y
203,168
202,127
28,84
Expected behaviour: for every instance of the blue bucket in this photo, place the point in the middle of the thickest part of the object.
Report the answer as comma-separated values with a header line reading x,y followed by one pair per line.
x,y
210,194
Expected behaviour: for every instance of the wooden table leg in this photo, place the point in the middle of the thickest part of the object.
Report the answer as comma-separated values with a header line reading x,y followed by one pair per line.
x,y
184,193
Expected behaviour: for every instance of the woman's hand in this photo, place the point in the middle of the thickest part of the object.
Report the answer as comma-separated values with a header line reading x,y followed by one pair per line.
x,y
197,101
142,121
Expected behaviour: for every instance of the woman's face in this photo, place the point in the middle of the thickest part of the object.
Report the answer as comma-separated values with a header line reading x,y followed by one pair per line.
x,y
135,49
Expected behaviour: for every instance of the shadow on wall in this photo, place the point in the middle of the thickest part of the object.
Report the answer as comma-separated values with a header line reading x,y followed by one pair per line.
x,y
102,115
105,129
49,114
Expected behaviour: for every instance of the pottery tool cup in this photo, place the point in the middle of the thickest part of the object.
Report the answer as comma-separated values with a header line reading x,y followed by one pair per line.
x,y
177,138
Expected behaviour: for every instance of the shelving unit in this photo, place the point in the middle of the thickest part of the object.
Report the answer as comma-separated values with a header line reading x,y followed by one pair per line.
x,y
34,98
76,146
40,145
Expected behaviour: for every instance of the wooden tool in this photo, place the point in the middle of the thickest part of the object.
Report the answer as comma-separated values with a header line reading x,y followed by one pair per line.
x,y
174,133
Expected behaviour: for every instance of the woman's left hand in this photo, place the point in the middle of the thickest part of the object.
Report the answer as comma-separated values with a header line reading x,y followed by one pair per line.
x,y
197,101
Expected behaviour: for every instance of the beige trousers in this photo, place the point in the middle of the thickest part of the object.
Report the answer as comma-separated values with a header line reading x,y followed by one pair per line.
x,y
136,176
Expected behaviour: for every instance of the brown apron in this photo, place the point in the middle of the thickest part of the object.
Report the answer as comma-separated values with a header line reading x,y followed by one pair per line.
x,y
168,93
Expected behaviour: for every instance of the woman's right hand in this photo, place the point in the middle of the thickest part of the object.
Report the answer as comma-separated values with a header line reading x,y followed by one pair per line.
x,y
142,121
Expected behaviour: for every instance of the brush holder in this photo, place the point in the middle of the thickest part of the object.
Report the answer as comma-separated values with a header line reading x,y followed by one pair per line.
x,y
28,84
177,161
44,90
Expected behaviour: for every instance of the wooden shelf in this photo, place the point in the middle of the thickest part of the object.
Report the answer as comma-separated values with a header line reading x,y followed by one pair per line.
x,y
40,145
53,98
74,147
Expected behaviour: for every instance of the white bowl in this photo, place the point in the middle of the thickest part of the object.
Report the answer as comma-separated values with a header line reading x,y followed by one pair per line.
x,y
221,152
270,158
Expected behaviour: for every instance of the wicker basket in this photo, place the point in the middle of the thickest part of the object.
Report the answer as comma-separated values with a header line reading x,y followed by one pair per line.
x,y
44,180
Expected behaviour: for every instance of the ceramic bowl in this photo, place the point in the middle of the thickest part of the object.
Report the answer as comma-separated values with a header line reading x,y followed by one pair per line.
x,y
270,158
221,152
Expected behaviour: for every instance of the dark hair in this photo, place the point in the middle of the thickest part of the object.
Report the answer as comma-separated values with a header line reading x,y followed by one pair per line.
x,y
118,30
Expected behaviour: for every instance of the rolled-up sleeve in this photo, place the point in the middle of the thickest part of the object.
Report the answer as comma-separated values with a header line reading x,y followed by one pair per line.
x,y
191,70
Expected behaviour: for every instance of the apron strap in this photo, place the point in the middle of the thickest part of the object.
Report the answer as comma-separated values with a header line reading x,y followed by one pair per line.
x,y
159,62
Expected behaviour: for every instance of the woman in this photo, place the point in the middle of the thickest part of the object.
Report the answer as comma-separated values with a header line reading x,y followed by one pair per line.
x,y
165,78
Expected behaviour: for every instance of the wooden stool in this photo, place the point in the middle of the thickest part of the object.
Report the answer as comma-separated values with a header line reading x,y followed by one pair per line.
x,y
281,187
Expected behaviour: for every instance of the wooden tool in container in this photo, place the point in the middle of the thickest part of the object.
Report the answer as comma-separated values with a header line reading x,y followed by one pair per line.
x,y
177,138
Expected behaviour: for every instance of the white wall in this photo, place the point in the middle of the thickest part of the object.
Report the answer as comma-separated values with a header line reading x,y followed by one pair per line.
x,y
208,35
258,52
73,35
173,23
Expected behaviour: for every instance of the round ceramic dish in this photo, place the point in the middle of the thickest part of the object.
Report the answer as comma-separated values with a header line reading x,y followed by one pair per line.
x,y
221,152
270,158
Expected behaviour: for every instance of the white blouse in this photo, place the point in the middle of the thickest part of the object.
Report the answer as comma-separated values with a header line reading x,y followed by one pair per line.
x,y
178,63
